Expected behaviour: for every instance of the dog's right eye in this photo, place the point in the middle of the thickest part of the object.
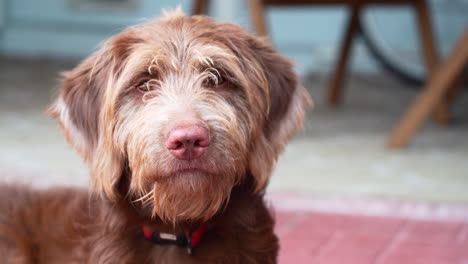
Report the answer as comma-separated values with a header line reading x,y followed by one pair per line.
x,y
212,83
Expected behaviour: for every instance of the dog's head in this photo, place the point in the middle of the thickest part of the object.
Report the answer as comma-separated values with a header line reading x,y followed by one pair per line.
x,y
184,109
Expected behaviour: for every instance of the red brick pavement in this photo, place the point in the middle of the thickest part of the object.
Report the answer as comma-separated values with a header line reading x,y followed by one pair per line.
x,y
328,238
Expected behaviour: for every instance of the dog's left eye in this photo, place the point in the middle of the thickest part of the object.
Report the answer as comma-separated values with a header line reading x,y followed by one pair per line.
x,y
145,86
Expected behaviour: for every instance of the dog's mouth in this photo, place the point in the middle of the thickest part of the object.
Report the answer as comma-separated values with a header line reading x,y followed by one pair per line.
x,y
188,168
189,171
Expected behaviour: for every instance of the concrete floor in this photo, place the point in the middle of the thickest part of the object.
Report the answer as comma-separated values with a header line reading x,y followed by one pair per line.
x,y
341,152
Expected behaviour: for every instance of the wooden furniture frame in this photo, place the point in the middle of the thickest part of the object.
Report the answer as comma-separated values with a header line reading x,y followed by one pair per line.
x,y
431,96
335,90
199,7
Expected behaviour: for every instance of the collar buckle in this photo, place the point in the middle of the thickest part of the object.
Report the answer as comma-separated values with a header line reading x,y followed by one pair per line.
x,y
190,240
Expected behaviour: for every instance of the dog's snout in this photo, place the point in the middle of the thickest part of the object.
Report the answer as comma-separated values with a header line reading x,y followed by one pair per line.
x,y
188,142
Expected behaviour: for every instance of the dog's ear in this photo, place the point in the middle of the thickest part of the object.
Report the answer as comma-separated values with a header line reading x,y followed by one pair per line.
x,y
77,106
286,106
79,109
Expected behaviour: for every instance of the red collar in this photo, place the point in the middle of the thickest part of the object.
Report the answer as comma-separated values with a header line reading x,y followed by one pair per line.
x,y
189,240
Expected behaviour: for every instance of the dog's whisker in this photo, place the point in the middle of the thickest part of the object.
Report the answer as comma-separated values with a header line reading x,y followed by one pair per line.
x,y
145,197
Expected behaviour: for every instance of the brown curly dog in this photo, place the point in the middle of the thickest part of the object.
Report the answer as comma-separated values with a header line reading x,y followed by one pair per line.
x,y
181,121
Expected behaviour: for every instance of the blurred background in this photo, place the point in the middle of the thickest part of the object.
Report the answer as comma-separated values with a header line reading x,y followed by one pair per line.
x,y
340,163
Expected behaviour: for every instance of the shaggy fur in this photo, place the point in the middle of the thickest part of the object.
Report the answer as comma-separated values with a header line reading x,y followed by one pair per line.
x,y
116,109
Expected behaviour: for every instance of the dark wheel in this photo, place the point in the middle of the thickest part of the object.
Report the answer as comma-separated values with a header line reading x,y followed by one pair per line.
x,y
392,37
402,62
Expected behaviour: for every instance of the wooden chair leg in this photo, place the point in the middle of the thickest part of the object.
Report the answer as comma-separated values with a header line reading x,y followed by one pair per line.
x,y
432,94
441,114
453,91
199,7
336,81
257,14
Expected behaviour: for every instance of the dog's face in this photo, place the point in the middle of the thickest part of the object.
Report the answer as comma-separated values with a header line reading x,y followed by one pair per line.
x,y
181,109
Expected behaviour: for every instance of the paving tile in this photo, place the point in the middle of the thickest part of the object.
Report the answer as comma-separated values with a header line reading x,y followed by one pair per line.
x,y
433,232
423,253
301,247
332,238
376,226
352,247
301,242
462,235
284,220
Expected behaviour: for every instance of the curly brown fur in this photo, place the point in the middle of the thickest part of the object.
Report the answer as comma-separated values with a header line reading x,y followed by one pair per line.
x,y
119,107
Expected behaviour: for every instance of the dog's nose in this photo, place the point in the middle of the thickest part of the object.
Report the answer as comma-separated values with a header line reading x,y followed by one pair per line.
x,y
188,142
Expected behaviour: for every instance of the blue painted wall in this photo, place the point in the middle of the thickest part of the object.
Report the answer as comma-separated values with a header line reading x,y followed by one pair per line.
x,y
61,28
310,36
